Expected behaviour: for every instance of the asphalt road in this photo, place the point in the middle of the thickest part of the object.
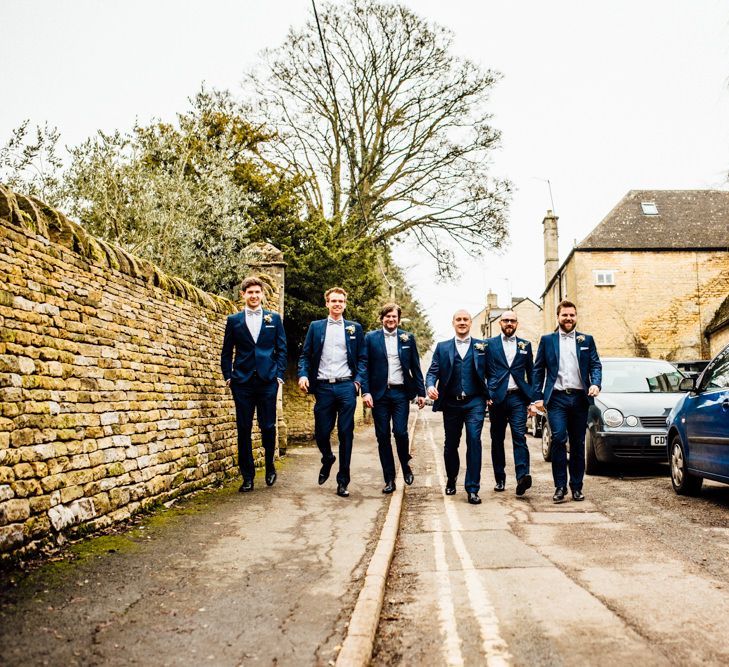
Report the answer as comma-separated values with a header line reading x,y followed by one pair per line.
x,y
633,575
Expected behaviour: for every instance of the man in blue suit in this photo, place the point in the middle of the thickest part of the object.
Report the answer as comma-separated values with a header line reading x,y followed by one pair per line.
x,y
509,363
257,338
456,382
330,367
391,379
567,377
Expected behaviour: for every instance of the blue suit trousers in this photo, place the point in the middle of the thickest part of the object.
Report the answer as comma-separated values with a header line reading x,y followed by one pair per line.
x,y
257,396
567,414
393,407
335,402
512,411
456,415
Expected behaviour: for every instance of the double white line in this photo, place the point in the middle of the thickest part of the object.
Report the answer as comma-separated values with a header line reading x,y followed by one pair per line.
x,y
496,652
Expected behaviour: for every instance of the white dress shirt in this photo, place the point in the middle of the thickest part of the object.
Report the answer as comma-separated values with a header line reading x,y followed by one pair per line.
x,y
394,368
462,345
333,363
254,320
568,376
510,352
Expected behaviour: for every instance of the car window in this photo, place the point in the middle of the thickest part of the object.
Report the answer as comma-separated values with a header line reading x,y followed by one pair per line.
x,y
640,376
717,377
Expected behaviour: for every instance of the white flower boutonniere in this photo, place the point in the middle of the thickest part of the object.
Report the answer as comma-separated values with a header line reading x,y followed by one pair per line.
x,y
580,339
522,345
267,318
350,329
404,337
480,346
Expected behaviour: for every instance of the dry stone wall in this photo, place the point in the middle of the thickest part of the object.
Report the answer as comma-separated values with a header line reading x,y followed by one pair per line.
x,y
111,397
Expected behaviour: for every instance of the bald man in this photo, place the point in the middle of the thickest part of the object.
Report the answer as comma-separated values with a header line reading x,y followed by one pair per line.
x,y
456,381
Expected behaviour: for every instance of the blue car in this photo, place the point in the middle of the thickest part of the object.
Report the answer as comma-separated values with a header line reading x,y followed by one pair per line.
x,y
698,429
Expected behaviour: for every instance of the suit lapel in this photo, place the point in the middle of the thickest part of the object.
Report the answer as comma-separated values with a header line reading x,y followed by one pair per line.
x,y
400,355
502,351
244,327
555,347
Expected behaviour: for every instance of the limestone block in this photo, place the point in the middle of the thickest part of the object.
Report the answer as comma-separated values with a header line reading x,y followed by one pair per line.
x,y
6,475
6,492
39,503
25,488
14,510
52,483
11,537
19,303
70,493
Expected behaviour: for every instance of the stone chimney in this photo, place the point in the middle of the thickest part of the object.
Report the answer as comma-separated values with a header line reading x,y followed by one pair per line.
x,y
491,301
551,250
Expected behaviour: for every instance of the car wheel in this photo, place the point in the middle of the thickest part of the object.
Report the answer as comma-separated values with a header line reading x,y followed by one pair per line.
x,y
546,441
684,483
592,465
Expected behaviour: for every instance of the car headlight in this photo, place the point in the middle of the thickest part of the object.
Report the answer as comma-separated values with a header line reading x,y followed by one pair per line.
x,y
631,421
612,417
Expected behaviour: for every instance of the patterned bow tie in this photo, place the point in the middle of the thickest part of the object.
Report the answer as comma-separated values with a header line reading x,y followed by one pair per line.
x,y
337,322
510,340
568,336
390,335
467,341
256,313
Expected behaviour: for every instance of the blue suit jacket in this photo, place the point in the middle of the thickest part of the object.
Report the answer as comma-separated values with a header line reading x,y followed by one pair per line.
x,y
441,366
374,377
546,365
267,356
498,370
314,344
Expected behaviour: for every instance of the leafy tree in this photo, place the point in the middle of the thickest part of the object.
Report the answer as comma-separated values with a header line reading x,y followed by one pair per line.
x,y
30,162
397,140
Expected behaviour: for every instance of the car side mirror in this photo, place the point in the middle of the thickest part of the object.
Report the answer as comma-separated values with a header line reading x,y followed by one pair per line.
x,y
687,384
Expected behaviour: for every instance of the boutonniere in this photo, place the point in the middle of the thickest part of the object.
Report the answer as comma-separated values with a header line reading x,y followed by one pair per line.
x,y
404,337
522,345
267,318
350,329
480,346
580,339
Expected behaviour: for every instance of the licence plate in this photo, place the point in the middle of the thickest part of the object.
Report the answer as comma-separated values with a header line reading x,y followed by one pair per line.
x,y
658,441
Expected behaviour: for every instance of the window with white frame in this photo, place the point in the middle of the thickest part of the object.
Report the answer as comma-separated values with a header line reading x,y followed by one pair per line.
x,y
604,277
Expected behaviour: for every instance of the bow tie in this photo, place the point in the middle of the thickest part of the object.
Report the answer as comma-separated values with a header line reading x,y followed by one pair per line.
x,y
256,313
337,322
390,335
467,341
510,340
568,336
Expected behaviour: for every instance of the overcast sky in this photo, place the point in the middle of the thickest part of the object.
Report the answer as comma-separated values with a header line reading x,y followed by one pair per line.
x,y
597,98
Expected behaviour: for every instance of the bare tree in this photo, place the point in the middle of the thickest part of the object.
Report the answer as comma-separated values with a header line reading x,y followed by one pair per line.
x,y
391,128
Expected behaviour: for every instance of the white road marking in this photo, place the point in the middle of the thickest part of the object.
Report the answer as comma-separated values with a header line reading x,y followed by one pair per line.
x,y
495,648
446,611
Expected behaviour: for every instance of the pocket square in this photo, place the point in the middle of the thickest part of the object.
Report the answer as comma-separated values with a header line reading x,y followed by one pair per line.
x,y
522,351
405,347
270,326
584,348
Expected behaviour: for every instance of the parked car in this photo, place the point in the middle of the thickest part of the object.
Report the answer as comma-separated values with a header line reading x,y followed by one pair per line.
x,y
691,368
698,429
627,423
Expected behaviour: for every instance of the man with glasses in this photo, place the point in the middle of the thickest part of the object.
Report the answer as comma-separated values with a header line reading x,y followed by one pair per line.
x,y
509,363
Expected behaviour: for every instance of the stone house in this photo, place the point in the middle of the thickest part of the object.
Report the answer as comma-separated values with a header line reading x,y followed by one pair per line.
x,y
650,279
718,330
486,322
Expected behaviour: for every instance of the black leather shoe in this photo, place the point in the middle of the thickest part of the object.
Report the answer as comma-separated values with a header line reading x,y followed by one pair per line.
x,y
500,486
578,495
389,487
523,484
326,468
342,490
450,489
246,486
270,478
408,476
473,498
559,493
